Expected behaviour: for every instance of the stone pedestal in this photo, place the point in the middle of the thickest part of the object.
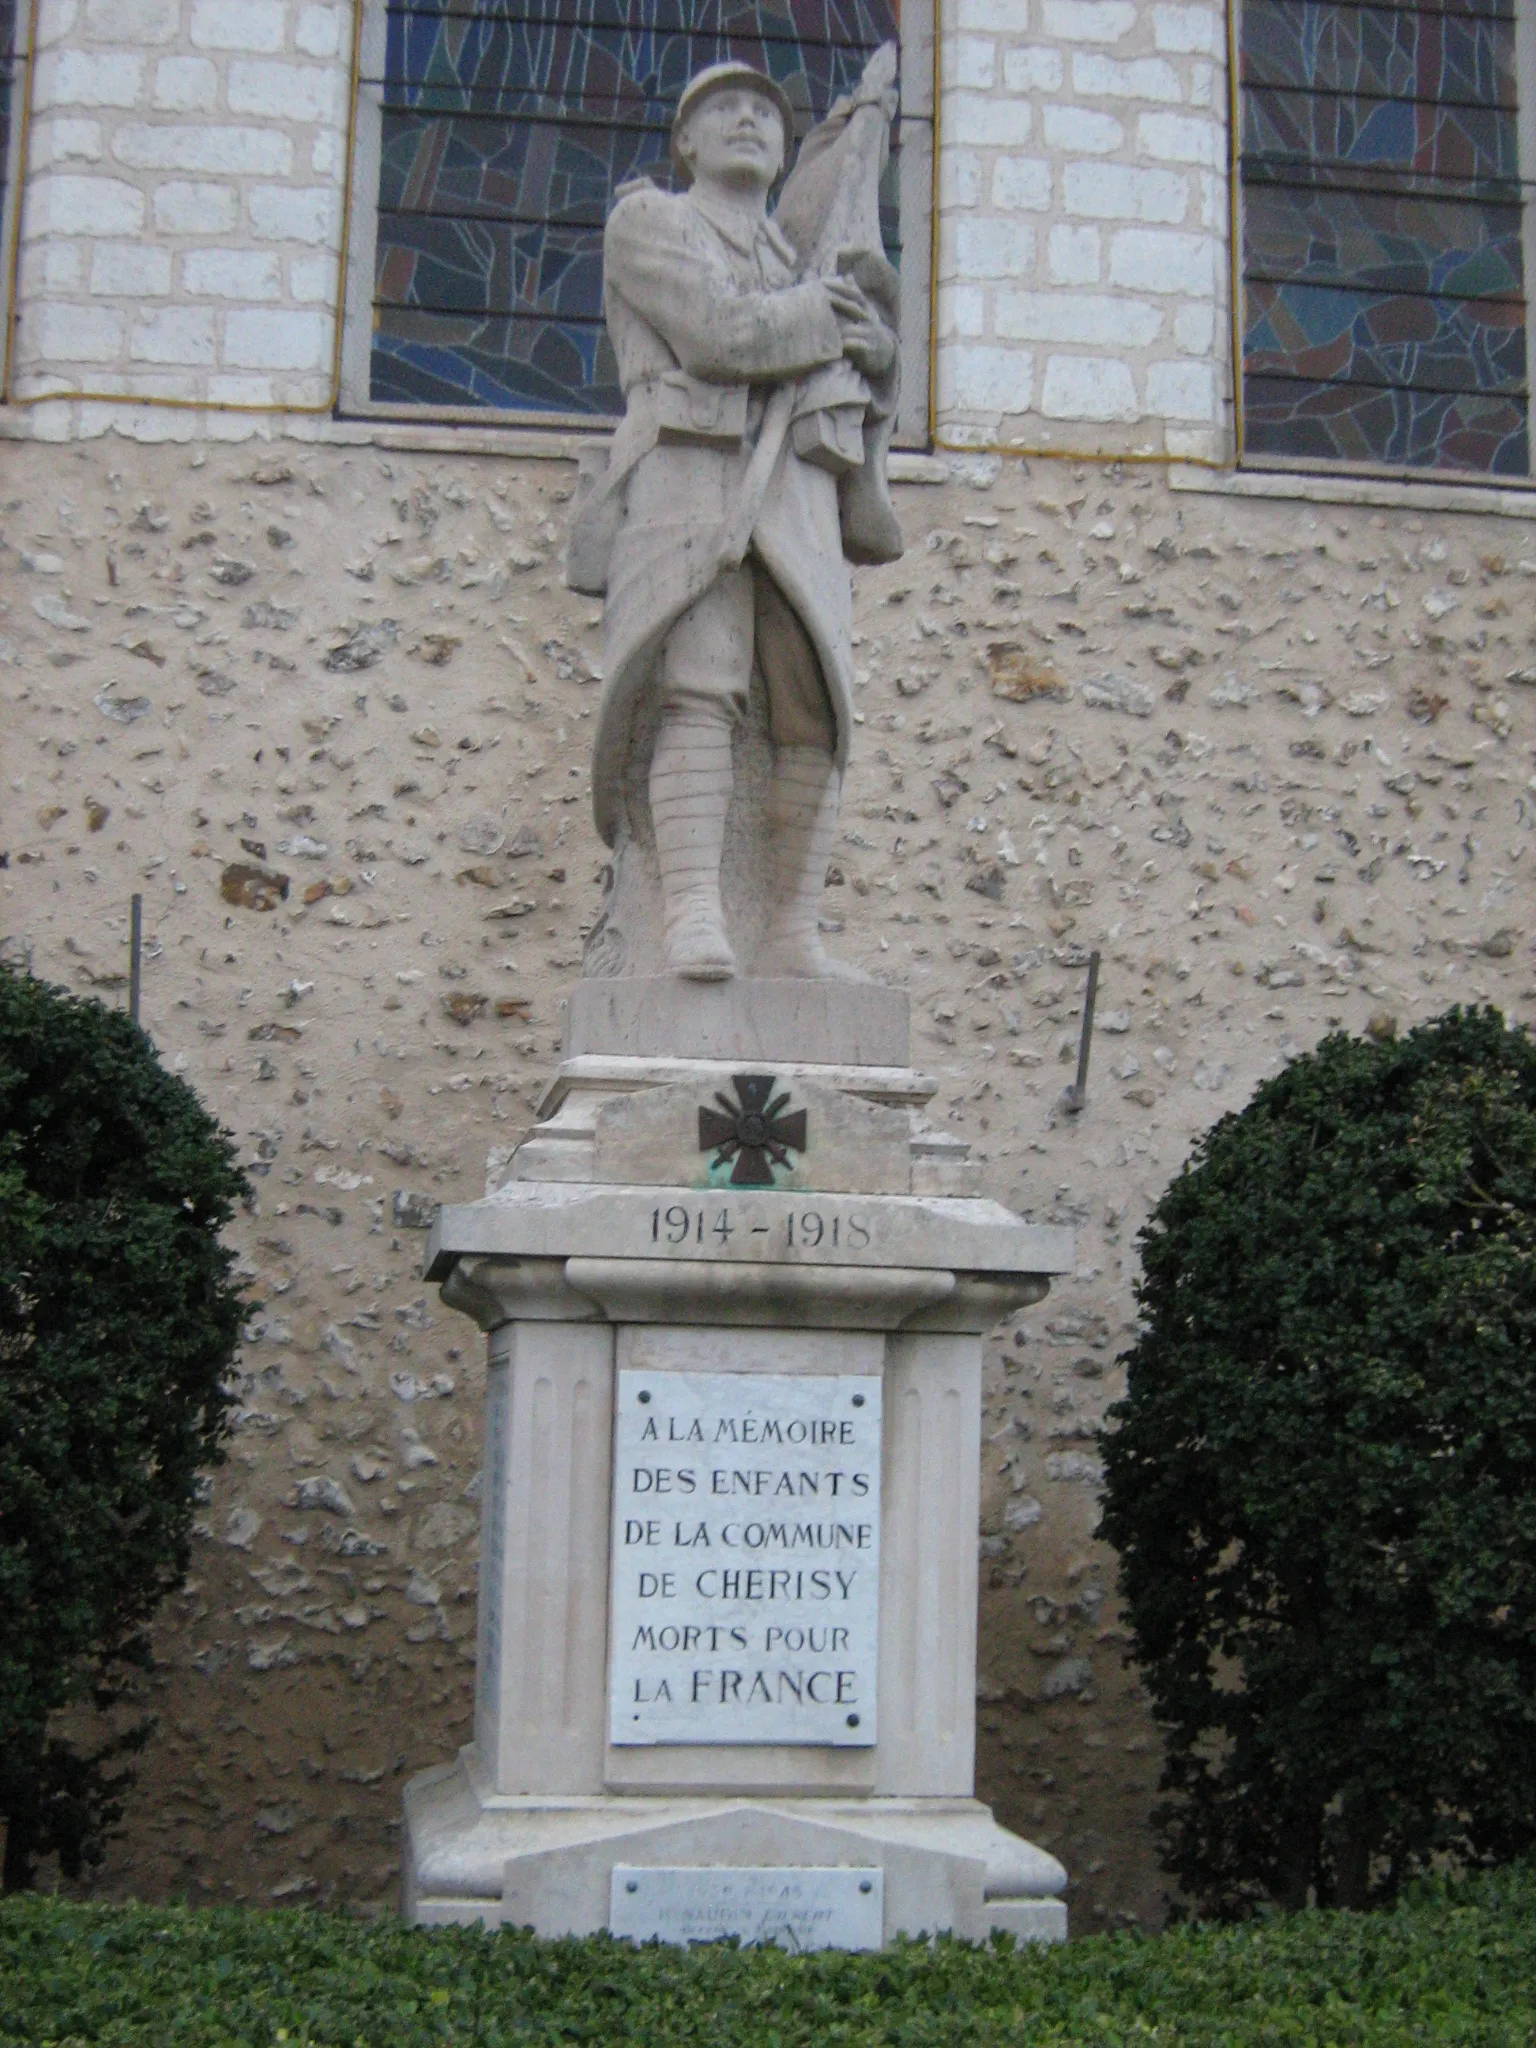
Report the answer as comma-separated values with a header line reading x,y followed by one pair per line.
x,y
729,1539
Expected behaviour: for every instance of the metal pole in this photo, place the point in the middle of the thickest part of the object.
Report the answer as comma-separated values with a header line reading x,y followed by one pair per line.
x,y
136,955
1075,1098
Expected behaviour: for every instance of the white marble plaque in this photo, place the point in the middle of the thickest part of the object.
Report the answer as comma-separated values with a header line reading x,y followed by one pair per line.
x,y
746,1558
799,1908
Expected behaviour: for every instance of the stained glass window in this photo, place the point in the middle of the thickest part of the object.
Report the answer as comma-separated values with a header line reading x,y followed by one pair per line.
x,y
506,128
1383,284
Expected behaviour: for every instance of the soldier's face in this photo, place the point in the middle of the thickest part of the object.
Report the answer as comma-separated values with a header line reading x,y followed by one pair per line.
x,y
734,138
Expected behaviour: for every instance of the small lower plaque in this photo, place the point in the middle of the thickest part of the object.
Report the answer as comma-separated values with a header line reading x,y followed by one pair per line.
x,y
794,1906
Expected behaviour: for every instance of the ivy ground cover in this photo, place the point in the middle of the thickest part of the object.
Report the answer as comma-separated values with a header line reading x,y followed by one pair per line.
x,y
1452,1963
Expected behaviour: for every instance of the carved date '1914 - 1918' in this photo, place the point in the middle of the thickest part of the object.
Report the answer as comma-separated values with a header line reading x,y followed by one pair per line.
x,y
797,1229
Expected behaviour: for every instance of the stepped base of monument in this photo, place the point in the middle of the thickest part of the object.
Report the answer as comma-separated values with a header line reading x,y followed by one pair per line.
x,y
927,1865
838,1023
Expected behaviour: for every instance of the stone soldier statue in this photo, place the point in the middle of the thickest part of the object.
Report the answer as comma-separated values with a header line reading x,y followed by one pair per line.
x,y
759,364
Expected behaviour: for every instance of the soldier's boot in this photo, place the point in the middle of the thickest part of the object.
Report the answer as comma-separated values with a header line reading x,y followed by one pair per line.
x,y
690,793
802,824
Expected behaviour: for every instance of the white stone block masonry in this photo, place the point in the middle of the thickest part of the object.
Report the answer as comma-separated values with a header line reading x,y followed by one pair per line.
x,y
184,198
1101,120
182,205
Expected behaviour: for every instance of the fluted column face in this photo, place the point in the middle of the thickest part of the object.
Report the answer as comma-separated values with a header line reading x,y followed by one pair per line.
x,y
544,1558
928,1568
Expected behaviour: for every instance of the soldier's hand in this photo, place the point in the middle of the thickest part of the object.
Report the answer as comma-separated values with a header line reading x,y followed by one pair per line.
x,y
867,341
848,301
869,345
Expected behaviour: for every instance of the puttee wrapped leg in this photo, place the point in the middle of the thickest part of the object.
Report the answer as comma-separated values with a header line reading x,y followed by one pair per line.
x,y
690,789
802,824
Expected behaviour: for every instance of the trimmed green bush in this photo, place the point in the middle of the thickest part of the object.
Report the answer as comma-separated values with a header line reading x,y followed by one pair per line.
x,y
1450,1965
118,1323
1322,1479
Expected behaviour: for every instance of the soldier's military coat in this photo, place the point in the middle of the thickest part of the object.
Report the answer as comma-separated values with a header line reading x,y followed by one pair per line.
x,y
706,319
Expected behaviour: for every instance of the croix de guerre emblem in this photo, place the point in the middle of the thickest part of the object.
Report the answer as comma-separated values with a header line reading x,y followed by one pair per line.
x,y
754,1131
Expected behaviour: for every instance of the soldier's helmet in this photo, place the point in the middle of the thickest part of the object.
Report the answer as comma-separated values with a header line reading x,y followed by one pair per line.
x,y
716,78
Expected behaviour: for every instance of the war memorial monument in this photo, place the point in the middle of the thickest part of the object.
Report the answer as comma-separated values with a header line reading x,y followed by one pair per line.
x,y
735,1287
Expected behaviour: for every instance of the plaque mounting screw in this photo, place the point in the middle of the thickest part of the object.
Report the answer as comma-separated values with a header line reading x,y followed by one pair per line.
x,y
644,1398
864,1885
632,1886
858,1400
853,1720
